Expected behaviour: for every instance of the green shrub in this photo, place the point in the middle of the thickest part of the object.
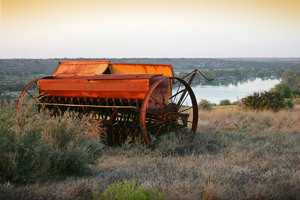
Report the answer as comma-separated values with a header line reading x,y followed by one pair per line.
x,y
260,74
44,146
128,190
7,140
205,105
292,78
283,89
295,93
225,102
266,101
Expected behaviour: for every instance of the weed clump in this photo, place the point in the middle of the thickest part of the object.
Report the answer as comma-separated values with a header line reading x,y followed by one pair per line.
x,y
40,146
128,190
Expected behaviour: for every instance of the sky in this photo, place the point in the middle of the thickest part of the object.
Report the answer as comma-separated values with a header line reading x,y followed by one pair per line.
x,y
149,28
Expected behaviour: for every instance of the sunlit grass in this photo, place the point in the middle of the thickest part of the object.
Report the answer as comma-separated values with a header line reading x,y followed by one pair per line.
x,y
235,155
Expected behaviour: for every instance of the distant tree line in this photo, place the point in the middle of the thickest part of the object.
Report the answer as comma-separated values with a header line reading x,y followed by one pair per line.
x,y
46,66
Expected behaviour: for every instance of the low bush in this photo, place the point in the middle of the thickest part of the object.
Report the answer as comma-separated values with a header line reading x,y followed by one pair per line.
x,y
266,101
292,78
128,190
39,146
283,89
225,102
205,105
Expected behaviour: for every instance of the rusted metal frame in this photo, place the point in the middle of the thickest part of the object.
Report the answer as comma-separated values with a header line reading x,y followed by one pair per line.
x,y
177,93
106,114
149,122
161,131
145,103
157,102
189,83
121,117
197,71
204,75
183,101
92,106
156,124
185,76
163,98
129,116
186,109
156,134
195,108
142,118
29,94
23,92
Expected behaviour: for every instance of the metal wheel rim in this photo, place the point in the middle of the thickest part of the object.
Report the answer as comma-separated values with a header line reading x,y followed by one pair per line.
x,y
143,111
24,91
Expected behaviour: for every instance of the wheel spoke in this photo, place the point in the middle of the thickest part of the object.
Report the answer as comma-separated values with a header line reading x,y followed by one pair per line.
x,y
163,97
177,93
157,102
178,87
29,94
183,100
185,109
157,124
156,134
173,110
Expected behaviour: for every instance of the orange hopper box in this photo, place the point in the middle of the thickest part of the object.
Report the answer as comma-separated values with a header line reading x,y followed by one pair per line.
x,y
102,79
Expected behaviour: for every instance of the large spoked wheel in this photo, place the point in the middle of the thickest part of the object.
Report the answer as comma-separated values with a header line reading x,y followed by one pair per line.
x,y
169,106
29,93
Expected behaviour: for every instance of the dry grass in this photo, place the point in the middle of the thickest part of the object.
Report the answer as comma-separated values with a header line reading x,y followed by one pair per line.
x,y
236,155
233,118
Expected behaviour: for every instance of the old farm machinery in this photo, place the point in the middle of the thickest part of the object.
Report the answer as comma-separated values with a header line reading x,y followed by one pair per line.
x,y
130,100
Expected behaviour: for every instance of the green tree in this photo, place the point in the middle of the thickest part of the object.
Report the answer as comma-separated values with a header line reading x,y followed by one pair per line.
x,y
225,102
205,105
283,89
260,75
292,78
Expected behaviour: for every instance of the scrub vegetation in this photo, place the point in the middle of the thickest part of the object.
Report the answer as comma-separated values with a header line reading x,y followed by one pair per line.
x,y
236,154
282,96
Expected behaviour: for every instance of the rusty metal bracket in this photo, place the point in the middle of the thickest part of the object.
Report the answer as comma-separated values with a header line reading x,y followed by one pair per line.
x,y
92,106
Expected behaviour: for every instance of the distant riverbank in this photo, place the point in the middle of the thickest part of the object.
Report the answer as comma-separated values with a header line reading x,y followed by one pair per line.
x,y
233,92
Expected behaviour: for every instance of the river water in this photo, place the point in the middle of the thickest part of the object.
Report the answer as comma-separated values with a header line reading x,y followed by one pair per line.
x,y
233,92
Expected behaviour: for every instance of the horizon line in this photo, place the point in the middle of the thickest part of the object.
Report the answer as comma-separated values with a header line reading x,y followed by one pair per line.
x,y
275,57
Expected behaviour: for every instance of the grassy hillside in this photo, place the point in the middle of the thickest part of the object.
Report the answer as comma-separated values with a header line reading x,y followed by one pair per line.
x,y
235,155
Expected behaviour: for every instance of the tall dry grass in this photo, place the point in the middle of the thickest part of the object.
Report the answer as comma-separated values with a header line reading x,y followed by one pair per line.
x,y
35,146
234,118
235,155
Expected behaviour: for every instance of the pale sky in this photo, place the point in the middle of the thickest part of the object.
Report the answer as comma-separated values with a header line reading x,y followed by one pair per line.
x,y
144,28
